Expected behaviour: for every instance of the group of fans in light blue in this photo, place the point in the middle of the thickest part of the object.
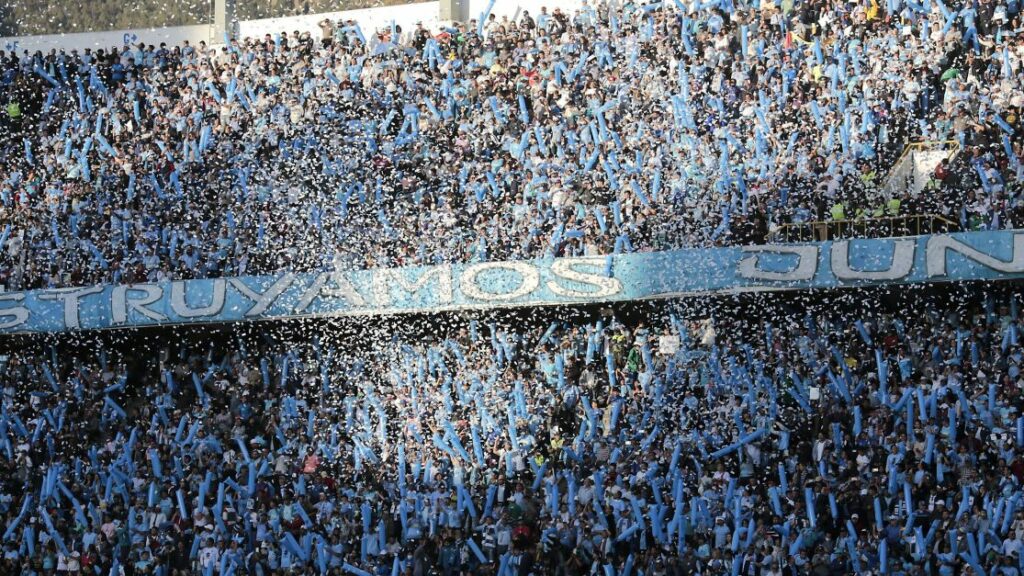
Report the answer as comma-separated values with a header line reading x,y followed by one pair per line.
x,y
598,130
807,445
825,443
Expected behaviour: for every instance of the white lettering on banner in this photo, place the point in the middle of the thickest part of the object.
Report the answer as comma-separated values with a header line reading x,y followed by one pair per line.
x,y
180,304
985,255
749,267
899,267
383,280
321,287
263,300
121,303
18,314
935,255
563,268
529,279
70,296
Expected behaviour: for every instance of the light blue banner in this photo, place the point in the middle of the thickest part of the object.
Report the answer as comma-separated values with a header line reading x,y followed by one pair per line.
x,y
938,258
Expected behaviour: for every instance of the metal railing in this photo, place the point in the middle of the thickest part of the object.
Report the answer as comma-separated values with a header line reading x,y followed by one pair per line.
x,y
884,227
952,145
902,174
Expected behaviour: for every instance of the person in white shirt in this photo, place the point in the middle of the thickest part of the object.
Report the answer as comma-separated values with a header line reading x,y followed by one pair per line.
x,y
1013,545
668,344
585,493
209,555
62,562
503,536
74,564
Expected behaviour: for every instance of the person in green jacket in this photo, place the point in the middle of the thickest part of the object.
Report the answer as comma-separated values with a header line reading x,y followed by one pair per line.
x,y
892,207
13,110
10,122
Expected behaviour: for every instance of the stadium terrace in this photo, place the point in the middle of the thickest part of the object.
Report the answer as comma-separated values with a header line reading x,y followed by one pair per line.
x,y
695,287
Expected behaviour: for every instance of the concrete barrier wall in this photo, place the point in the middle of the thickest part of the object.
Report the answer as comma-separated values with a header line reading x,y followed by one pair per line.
x,y
369,19
79,41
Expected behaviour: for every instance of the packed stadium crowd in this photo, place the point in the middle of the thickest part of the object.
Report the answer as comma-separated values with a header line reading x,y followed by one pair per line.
x,y
811,442
890,444
604,129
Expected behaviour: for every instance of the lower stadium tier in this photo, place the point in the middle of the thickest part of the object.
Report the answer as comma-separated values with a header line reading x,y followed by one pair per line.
x,y
822,438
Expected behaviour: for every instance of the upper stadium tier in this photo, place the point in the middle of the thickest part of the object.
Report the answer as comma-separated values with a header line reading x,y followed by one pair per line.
x,y
566,132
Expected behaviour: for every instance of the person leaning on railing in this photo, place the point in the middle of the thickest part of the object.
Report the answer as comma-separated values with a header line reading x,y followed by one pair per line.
x,y
838,211
887,207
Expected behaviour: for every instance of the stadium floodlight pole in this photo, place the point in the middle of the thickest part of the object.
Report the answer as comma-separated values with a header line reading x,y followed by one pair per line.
x,y
457,10
225,22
